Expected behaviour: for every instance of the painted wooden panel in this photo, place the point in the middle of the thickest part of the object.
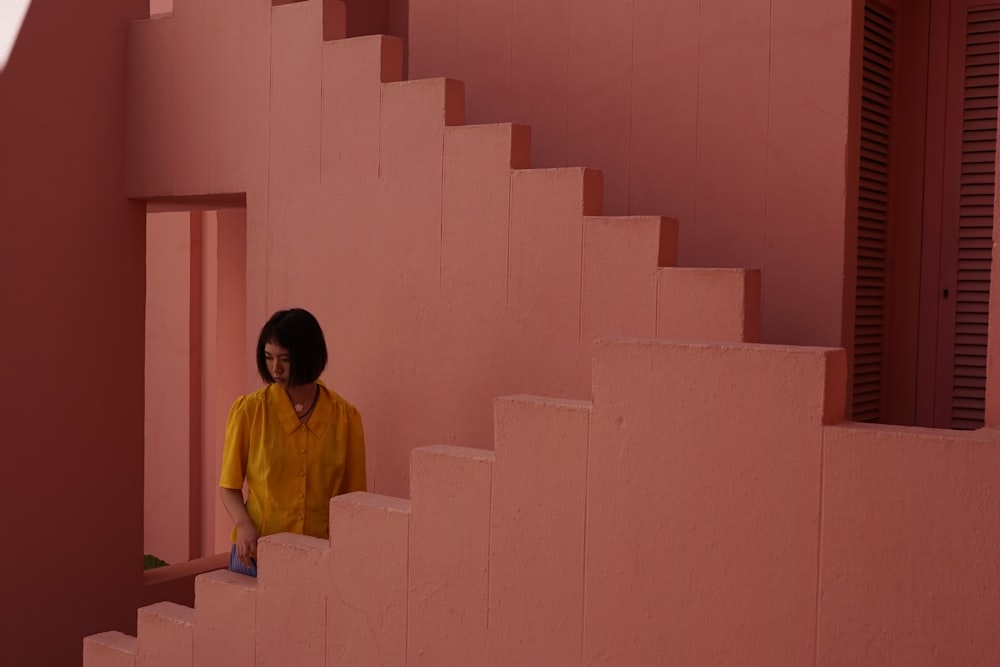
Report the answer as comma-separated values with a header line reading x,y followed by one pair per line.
x,y
873,210
975,214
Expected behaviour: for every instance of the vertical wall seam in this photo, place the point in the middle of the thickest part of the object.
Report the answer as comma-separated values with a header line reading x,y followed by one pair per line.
x,y
583,269
196,254
444,133
489,558
656,305
819,544
406,601
565,160
256,606
381,114
586,498
455,58
381,119
510,221
767,130
631,112
697,116
270,117
322,78
510,68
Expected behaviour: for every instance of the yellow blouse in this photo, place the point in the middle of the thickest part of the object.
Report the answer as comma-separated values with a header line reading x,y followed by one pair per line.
x,y
292,469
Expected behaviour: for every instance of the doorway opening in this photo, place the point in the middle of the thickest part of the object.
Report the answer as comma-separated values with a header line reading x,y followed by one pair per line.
x,y
195,366
925,215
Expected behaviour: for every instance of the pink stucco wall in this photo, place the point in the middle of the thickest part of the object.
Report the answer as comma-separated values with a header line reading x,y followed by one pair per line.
x,y
443,277
71,297
910,535
699,502
638,528
730,115
691,502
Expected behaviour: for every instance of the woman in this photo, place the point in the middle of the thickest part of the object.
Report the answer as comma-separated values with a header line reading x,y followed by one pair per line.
x,y
294,442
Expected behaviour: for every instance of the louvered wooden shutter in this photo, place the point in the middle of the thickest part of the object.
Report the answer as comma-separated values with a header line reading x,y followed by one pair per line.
x,y
975,225
873,211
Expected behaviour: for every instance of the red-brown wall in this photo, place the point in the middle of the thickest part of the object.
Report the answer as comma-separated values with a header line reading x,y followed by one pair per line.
x,y
71,294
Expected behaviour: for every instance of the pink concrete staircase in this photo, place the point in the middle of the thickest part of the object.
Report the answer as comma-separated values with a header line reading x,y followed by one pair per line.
x,y
702,508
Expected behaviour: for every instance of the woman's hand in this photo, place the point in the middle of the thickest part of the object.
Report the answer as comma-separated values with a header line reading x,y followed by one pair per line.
x,y
246,542
246,532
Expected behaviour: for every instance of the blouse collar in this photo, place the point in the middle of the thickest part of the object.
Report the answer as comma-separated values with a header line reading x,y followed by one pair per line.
x,y
282,404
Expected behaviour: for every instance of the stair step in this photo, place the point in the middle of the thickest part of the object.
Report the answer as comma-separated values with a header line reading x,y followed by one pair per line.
x,y
708,304
292,580
407,230
109,649
475,220
547,207
165,636
350,124
423,104
450,490
619,285
411,151
562,192
538,529
295,90
330,16
225,613
366,608
488,144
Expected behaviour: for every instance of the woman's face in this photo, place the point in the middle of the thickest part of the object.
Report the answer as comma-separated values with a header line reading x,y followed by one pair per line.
x,y
279,363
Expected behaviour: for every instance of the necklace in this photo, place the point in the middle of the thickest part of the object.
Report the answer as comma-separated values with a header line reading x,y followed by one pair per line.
x,y
301,410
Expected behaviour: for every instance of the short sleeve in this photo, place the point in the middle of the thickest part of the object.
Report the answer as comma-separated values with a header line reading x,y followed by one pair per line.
x,y
237,446
354,465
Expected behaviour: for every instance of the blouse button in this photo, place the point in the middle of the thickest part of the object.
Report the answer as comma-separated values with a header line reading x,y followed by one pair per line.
x,y
302,473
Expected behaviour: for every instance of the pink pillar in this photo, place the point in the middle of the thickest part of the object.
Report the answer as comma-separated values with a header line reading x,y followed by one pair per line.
x,y
109,649
449,556
619,283
165,636
225,359
225,619
291,601
537,531
366,608
169,383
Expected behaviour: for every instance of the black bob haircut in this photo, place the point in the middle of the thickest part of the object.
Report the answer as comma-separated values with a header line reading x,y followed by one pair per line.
x,y
297,331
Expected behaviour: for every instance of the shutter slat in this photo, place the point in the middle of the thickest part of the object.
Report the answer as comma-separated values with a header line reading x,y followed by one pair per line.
x,y
975,221
873,207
